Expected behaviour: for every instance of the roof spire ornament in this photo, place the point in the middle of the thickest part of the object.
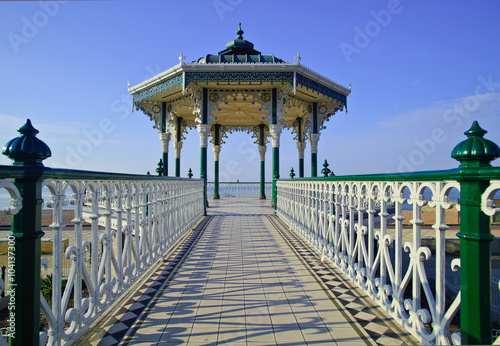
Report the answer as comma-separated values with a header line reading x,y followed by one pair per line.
x,y
181,59
297,58
239,32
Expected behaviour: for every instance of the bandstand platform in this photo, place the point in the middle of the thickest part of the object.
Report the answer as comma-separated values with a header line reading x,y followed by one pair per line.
x,y
242,278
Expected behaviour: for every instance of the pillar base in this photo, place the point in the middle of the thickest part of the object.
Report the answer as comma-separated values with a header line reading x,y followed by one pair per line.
x,y
217,197
262,197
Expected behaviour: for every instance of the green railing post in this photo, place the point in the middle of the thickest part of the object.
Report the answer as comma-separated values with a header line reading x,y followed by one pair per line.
x,y
24,272
475,236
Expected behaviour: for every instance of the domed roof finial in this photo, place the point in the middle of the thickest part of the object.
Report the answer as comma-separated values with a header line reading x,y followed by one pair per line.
x,y
239,32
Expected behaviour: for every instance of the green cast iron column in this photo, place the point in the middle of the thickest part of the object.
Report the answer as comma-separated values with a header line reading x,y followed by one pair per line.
x,y
164,138
262,180
314,142
177,167
216,180
262,152
314,164
275,130
178,146
300,146
203,130
216,148
24,285
475,236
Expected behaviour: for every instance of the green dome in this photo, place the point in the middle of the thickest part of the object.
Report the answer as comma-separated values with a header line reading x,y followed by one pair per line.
x,y
239,51
476,148
27,149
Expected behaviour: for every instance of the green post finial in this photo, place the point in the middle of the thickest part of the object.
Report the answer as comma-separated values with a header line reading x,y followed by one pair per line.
x,y
325,170
475,154
239,32
292,174
475,151
190,173
160,170
27,149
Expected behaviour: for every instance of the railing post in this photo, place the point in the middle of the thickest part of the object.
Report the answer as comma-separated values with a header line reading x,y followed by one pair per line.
x,y
475,236
24,280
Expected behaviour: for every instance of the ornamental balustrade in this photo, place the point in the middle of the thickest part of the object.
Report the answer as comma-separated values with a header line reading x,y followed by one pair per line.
x,y
239,190
150,214
131,222
387,261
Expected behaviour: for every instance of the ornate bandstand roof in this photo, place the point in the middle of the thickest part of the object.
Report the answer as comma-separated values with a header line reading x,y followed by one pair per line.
x,y
239,81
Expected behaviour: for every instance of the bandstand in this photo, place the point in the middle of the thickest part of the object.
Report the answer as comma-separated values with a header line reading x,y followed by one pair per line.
x,y
239,89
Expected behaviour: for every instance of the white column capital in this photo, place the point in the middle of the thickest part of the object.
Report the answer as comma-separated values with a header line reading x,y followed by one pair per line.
x,y
301,146
177,147
216,149
203,130
275,131
165,140
314,139
262,151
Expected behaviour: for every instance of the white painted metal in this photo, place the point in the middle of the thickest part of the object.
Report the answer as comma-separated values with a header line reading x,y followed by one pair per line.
x,y
150,217
337,219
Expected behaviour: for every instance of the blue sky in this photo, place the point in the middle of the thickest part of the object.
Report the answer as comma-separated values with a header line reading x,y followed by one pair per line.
x,y
421,72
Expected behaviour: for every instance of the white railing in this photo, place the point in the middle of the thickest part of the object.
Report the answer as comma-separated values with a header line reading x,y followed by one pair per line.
x,y
151,215
324,214
239,190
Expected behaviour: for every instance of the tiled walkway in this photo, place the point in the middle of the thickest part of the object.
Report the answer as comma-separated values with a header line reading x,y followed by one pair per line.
x,y
240,282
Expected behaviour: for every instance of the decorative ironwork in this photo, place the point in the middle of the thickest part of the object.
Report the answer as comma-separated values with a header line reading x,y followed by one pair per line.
x,y
157,89
321,89
133,223
239,77
338,219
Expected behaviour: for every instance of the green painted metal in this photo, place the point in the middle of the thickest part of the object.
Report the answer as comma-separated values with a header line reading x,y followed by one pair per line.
x,y
163,117
262,180
292,173
164,158
204,109
190,173
28,152
325,171
262,142
475,237
314,165
160,170
276,173
274,106
239,46
178,130
216,162
177,166
216,180
315,118
203,175
475,151
300,138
